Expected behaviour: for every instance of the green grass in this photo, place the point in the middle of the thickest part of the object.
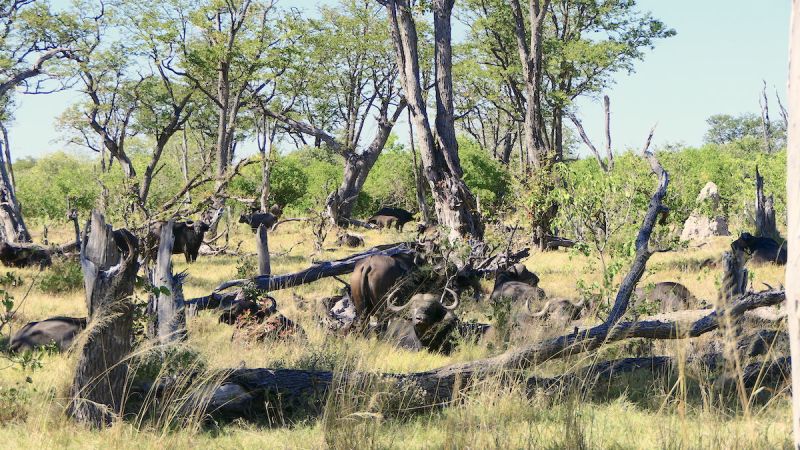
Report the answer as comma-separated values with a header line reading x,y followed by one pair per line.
x,y
639,412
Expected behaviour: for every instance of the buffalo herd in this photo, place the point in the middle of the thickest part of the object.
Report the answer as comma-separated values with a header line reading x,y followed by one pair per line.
x,y
405,299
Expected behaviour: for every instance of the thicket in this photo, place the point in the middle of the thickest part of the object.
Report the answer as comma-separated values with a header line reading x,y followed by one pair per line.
x,y
301,180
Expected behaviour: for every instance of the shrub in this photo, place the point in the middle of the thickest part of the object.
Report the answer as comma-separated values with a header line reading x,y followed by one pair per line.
x,y
65,275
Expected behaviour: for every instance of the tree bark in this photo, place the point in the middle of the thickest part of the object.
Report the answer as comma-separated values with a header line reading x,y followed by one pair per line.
x,y
765,212
168,305
419,187
609,151
530,55
262,245
793,213
14,229
765,122
97,393
453,201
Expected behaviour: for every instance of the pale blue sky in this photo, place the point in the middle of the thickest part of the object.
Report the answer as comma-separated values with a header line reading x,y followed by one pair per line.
x,y
715,64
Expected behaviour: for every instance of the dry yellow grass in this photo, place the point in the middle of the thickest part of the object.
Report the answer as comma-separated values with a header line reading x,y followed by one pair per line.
x,y
492,416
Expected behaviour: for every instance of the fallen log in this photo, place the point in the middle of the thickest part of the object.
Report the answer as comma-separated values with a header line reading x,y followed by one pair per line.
x,y
245,391
291,219
318,271
218,299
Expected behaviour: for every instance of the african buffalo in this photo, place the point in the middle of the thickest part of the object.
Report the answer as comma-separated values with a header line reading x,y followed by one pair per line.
x,y
519,285
384,221
350,240
669,295
248,308
529,302
430,324
760,249
276,210
59,330
373,278
560,311
402,216
188,238
255,219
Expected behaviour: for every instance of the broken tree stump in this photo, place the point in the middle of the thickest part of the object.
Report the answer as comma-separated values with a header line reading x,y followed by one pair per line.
x,y
109,271
765,212
167,302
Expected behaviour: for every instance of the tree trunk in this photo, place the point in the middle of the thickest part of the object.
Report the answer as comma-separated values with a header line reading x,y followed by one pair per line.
x,y
340,203
609,151
453,201
14,229
419,187
793,213
267,149
531,59
97,393
262,245
170,318
765,212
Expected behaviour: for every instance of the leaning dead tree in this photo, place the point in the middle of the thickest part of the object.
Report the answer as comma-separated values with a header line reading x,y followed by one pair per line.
x,y
765,211
313,273
166,300
13,228
793,212
108,259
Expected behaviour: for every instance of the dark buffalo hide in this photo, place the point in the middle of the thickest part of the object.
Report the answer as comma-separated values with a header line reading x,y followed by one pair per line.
x,y
669,295
59,330
760,249
188,238
402,216
256,219
374,277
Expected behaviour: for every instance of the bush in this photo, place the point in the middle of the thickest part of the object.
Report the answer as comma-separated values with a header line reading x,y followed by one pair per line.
x,y
485,176
44,185
65,275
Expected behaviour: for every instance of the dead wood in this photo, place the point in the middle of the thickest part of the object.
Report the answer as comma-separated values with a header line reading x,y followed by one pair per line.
x,y
109,269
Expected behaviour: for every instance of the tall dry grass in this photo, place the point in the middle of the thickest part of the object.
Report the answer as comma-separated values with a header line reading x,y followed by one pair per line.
x,y
687,408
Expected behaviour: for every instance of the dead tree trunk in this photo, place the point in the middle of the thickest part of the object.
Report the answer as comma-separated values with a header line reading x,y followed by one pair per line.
x,y
609,151
734,278
262,245
13,228
765,212
793,213
763,101
167,302
109,269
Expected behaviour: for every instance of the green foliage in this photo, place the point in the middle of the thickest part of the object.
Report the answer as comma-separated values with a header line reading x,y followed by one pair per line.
x,y
246,267
166,362
727,129
65,275
14,402
390,182
485,176
44,185
288,181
